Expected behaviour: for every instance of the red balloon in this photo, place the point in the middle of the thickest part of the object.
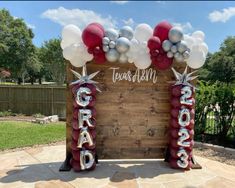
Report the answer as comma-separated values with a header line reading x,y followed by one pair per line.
x,y
176,90
92,35
175,102
162,62
162,30
154,53
154,43
175,112
99,56
74,145
97,25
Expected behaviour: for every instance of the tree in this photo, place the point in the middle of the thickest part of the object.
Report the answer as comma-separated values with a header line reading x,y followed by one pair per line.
x,y
50,54
220,66
16,47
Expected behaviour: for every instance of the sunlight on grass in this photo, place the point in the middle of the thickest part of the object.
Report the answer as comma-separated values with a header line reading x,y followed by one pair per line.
x,y
20,134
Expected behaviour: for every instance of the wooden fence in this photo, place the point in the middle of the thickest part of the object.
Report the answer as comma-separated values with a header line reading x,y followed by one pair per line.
x,y
47,100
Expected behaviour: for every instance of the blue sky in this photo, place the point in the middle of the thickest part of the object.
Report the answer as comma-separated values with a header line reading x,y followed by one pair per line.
x,y
215,19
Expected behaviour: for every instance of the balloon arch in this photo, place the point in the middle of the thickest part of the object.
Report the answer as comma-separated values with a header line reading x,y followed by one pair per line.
x,y
143,47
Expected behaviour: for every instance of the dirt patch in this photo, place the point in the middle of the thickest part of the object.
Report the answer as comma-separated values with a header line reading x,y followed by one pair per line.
x,y
18,118
223,157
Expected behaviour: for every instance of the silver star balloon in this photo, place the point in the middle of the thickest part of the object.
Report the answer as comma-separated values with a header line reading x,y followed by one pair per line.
x,y
84,78
184,78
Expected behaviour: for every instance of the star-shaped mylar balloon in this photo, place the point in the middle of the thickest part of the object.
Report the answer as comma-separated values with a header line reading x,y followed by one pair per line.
x,y
84,78
184,78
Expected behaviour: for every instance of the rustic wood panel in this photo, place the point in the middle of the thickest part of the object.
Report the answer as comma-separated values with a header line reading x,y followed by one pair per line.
x,y
132,118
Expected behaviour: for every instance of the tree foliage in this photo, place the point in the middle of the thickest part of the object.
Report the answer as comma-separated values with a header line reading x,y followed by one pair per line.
x,y
17,52
50,54
218,98
220,66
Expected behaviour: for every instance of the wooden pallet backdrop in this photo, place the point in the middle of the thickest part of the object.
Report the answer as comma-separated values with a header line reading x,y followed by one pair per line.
x,y
132,118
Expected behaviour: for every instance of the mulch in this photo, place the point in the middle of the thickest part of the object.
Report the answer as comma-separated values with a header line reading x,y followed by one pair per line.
x,y
223,157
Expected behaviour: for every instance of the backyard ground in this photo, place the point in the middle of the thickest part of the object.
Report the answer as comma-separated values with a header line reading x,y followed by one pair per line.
x,y
16,134
37,167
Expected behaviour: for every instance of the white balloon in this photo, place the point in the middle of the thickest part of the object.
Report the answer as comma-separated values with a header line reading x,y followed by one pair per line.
x,y
86,56
143,61
196,59
69,52
189,41
70,34
199,34
134,45
197,41
143,32
204,48
77,61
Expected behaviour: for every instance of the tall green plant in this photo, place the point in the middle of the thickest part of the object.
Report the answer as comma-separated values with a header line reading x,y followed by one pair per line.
x,y
224,99
204,97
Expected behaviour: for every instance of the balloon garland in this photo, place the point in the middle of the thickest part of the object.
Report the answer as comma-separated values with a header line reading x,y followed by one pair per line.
x,y
143,46
83,134
182,121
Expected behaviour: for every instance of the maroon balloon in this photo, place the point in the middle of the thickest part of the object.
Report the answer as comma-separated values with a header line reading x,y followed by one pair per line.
x,y
175,102
162,62
76,165
154,43
154,53
175,112
92,35
162,30
176,90
98,25
99,56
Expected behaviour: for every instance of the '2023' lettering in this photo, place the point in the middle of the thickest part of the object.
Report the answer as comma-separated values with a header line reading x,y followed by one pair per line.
x,y
184,120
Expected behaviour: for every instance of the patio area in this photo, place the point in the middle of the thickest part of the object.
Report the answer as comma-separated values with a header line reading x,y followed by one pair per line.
x,y
38,167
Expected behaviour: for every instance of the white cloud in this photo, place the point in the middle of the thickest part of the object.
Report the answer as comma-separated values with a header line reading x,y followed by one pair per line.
x,y
129,22
160,2
223,15
119,2
186,27
31,26
77,17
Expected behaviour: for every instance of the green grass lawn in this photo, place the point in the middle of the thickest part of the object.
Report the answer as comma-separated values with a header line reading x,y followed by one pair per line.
x,y
20,134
